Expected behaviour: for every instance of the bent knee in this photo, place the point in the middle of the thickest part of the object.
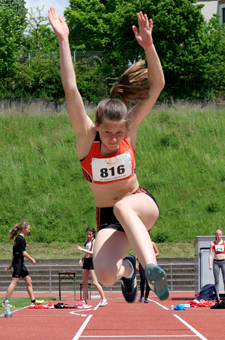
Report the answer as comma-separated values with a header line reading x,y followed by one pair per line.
x,y
105,276
120,208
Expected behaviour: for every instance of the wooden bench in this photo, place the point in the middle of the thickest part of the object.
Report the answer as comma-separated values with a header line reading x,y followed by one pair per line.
x,y
67,276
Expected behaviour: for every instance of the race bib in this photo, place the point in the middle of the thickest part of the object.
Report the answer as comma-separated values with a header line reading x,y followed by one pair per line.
x,y
111,169
219,248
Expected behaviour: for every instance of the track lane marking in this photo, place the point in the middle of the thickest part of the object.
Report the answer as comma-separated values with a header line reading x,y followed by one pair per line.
x,y
159,304
199,335
191,328
76,337
138,336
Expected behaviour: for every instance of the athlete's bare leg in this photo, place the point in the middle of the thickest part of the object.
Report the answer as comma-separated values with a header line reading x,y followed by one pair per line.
x,y
11,287
138,214
28,281
96,284
110,248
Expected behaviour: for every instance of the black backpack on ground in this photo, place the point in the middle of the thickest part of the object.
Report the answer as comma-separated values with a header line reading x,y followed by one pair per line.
x,y
219,305
207,293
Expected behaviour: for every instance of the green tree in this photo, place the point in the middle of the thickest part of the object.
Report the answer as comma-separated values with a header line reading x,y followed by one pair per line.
x,y
89,22
39,37
178,36
11,31
215,40
179,30
37,72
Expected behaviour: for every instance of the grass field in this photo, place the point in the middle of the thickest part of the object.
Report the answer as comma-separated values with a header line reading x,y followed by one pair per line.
x,y
180,156
21,302
65,250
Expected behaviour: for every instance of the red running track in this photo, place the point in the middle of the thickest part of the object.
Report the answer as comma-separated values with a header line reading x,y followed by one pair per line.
x,y
118,320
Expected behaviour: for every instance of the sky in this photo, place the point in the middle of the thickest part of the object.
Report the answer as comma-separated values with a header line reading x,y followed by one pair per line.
x,y
59,5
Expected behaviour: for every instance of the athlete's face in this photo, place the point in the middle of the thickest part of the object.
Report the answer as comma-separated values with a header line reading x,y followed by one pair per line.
x,y
111,134
89,235
26,230
218,235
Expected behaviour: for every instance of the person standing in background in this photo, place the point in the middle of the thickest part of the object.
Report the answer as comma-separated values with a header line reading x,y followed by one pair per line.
x,y
19,252
88,268
218,247
143,280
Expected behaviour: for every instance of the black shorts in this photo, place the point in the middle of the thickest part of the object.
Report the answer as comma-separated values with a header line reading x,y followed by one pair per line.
x,y
106,219
88,263
19,270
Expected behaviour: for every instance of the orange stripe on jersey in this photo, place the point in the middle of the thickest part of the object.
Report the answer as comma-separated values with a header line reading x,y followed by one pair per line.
x,y
140,190
98,217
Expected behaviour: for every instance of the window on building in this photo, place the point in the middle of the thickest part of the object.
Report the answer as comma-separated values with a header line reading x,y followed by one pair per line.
x,y
223,14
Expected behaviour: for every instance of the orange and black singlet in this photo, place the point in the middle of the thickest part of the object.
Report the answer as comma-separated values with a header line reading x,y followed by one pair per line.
x,y
101,169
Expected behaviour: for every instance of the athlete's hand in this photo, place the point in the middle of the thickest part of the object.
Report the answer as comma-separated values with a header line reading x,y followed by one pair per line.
x,y
144,34
79,248
58,24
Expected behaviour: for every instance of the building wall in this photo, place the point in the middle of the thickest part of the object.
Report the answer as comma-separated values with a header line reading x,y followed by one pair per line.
x,y
221,11
213,7
210,8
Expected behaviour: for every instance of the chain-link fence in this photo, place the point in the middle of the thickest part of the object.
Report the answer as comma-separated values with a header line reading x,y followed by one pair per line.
x,y
77,56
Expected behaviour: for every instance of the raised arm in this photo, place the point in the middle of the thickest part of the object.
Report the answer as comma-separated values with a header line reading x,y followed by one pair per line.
x,y
82,124
156,79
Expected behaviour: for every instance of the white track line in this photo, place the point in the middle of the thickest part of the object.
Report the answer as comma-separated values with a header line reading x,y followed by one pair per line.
x,y
82,328
159,304
184,322
191,328
138,336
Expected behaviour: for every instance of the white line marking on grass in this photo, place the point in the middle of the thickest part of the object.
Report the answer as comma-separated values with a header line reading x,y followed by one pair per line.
x,y
82,328
159,304
191,328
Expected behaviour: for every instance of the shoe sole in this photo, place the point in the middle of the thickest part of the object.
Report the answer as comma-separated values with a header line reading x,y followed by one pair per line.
x,y
157,281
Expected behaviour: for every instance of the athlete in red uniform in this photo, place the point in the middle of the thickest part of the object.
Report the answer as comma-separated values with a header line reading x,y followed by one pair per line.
x,y
218,247
105,148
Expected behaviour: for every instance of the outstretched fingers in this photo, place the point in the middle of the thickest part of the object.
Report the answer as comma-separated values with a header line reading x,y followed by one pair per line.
x,y
52,14
142,19
58,24
143,34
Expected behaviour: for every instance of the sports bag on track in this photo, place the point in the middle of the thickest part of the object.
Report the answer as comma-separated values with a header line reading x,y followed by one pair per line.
x,y
206,293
